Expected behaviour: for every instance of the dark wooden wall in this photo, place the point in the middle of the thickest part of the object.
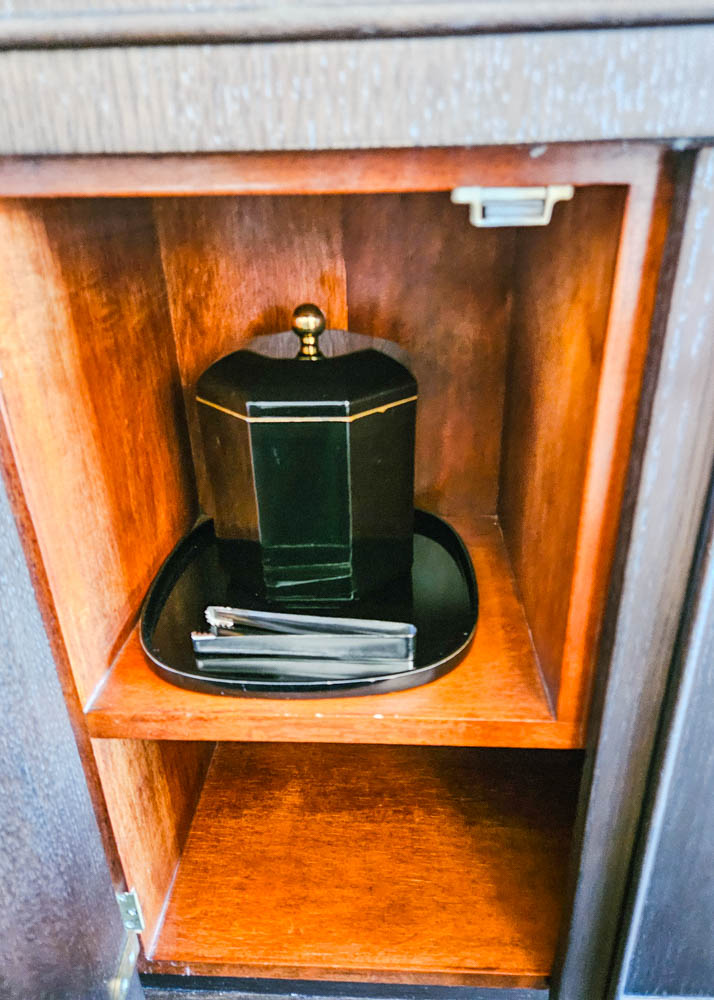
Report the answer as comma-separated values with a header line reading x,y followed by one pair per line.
x,y
669,946
658,541
574,86
60,930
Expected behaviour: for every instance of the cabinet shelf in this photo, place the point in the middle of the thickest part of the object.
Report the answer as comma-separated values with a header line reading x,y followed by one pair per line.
x,y
393,864
495,697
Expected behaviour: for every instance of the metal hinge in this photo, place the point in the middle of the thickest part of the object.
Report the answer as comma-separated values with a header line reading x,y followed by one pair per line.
x,y
510,206
130,910
118,985
133,920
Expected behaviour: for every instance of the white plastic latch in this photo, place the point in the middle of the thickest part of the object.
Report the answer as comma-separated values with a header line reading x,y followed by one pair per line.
x,y
511,206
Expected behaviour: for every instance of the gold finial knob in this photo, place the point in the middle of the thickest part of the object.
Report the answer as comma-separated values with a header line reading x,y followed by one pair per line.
x,y
308,324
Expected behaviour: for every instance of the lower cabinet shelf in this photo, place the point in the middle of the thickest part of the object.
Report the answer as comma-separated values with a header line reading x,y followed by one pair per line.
x,y
374,863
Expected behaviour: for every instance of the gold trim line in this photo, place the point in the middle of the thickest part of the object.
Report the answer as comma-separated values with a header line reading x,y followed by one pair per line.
x,y
306,420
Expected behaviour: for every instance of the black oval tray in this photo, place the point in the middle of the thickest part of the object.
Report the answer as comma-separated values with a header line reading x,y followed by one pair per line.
x,y
440,598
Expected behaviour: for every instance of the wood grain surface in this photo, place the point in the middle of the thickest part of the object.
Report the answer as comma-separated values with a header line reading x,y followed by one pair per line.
x,y
574,86
577,352
104,472
664,503
100,296
94,416
373,862
665,949
637,272
66,22
667,946
419,273
563,281
357,171
236,268
495,697
151,790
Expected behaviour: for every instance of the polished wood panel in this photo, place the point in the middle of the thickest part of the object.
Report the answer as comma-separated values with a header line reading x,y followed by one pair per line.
x,y
373,863
563,280
98,446
348,171
151,789
419,273
94,416
637,273
494,698
236,268
231,272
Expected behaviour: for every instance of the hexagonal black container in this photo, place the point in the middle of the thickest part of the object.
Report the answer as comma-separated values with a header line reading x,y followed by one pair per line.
x,y
312,458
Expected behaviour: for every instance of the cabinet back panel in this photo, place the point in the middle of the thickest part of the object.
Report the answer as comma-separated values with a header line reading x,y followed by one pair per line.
x,y
237,267
563,283
408,268
419,273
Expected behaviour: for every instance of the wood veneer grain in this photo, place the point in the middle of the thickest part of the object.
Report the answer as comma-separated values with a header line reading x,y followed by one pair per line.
x,y
419,273
88,316
369,862
346,171
236,268
574,86
563,280
151,789
637,272
94,416
107,23
97,434
494,698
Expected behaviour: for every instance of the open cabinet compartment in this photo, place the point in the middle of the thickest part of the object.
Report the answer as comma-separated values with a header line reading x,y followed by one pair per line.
x,y
528,346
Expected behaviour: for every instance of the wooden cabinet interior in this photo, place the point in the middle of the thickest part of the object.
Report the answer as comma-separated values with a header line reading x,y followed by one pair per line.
x,y
529,346
428,864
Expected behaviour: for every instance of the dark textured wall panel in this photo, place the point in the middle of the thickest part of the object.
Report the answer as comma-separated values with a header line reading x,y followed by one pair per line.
x,y
60,931
479,90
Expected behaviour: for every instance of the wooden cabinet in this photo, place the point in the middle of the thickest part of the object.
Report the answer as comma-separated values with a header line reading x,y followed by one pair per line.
x,y
529,347
465,832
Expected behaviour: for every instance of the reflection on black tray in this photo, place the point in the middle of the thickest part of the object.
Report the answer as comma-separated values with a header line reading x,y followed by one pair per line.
x,y
439,597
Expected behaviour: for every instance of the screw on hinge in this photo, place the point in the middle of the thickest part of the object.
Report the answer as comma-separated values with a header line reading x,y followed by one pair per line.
x,y
130,910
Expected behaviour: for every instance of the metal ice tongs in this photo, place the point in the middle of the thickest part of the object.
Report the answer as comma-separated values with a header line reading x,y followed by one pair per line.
x,y
303,636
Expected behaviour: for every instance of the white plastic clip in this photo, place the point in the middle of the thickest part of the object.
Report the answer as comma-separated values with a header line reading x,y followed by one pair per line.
x,y
506,206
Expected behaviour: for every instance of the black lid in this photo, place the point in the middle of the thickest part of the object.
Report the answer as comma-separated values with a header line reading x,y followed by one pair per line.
x,y
253,385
